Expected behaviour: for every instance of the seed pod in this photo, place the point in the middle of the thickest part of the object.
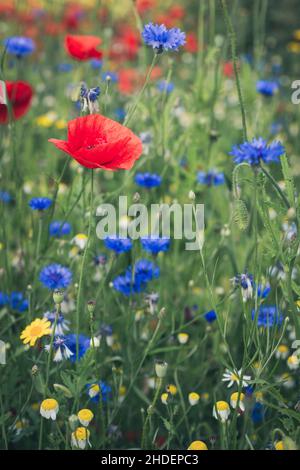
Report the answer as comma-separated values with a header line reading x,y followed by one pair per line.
x,y
240,214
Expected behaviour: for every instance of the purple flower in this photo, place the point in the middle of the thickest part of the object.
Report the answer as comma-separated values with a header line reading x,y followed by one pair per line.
x,y
119,245
40,203
161,38
155,244
256,151
55,276
211,178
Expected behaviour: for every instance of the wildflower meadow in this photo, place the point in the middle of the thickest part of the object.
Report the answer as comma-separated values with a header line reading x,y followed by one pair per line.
x,y
149,228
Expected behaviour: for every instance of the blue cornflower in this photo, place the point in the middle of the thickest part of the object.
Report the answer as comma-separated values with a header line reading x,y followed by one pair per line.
x,y
267,316
4,298
256,151
90,94
263,290
111,76
83,345
210,316
258,413
162,39
58,229
136,281
100,260
144,271
65,68
267,87
155,244
62,325
18,302
96,64
5,197
211,178
148,180
89,97
106,330
40,203
61,348
99,388
246,283
117,244
165,87
124,283
55,276
19,46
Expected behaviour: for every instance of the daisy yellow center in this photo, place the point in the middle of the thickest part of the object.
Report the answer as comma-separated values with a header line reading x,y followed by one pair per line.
x,y
81,434
293,360
234,377
183,336
85,415
194,396
81,236
282,348
279,445
222,406
235,396
49,404
197,445
172,389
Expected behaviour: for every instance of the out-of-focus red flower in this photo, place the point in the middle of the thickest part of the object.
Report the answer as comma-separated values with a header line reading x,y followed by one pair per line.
x,y
52,28
129,80
177,12
228,69
7,9
132,436
156,72
126,45
159,441
144,5
96,141
83,47
191,44
72,17
19,94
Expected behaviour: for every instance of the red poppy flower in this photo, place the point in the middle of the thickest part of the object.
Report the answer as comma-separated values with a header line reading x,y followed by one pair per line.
x,y
126,45
129,80
96,141
191,44
83,47
144,5
19,94
228,70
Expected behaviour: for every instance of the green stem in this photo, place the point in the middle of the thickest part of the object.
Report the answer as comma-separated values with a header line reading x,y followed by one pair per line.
x,y
82,270
232,38
150,412
48,372
276,186
139,96
3,422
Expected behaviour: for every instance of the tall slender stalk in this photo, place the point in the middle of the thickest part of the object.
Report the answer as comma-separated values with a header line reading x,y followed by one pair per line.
x,y
82,269
233,43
